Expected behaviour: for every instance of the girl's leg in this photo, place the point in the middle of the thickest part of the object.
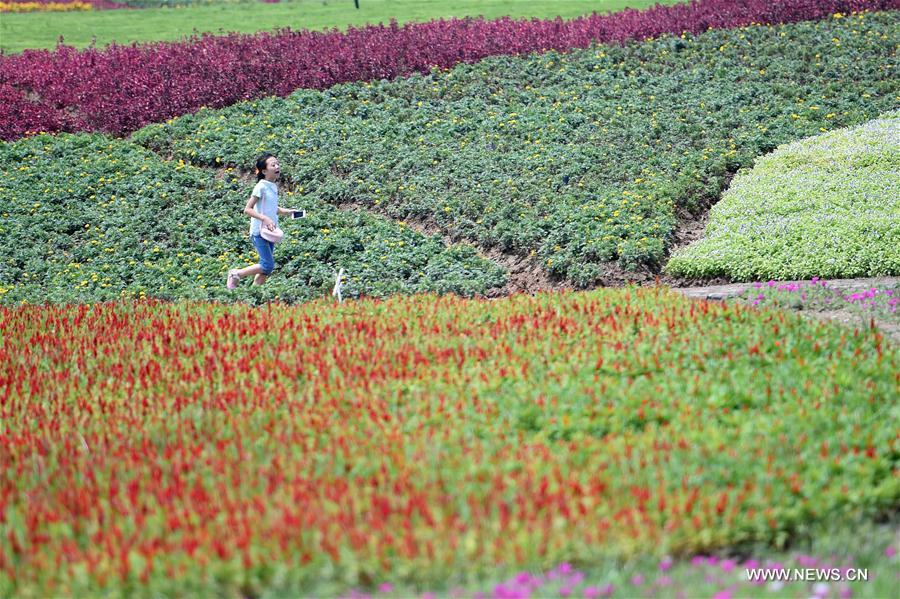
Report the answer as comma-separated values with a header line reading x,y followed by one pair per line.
x,y
266,259
249,271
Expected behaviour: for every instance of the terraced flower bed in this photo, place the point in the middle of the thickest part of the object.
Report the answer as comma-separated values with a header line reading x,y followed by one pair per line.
x,y
88,218
825,206
122,88
580,159
208,447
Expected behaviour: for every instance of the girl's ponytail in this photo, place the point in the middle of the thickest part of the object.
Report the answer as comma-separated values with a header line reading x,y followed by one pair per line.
x,y
261,166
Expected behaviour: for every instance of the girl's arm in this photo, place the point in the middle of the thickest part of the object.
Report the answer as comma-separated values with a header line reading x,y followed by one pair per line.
x,y
250,210
286,211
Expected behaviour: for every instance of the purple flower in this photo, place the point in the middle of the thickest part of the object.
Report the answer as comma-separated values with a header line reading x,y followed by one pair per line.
x,y
723,594
565,590
385,587
807,561
751,564
666,564
698,560
664,581
522,578
845,593
890,551
591,593
728,565
637,580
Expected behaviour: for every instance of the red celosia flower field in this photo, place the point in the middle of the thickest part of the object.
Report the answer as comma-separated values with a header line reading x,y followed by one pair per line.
x,y
122,88
192,447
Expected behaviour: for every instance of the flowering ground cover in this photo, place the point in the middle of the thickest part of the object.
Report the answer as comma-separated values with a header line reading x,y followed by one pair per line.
x,y
839,564
816,294
87,218
120,89
825,206
581,159
190,448
19,6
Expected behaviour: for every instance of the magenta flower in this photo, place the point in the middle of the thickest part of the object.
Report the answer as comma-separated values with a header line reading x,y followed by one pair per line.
x,y
637,580
890,551
666,564
807,561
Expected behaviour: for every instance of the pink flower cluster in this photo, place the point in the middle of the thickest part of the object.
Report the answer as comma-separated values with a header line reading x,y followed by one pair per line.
x,y
122,88
818,289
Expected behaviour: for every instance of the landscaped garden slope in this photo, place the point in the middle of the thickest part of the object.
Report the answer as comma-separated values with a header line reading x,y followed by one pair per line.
x,y
87,218
120,89
828,205
581,159
85,29
192,448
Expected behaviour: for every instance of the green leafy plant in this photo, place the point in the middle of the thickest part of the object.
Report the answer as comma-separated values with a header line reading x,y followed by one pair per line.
x,y
89,218
825,206
581,159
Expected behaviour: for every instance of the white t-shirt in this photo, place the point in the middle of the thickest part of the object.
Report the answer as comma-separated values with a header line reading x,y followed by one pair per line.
x,y
267,192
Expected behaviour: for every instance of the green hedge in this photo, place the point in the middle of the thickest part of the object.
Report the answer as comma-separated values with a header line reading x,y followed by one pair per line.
x,y
582,158
825,206
88,218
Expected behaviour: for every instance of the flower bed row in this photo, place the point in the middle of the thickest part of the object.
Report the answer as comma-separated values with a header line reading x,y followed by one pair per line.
x,y
87,218
78,5
580,159
162,449
58,5
121,88
828,205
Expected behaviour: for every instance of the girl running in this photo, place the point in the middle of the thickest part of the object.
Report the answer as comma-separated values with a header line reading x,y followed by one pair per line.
x,y
263,210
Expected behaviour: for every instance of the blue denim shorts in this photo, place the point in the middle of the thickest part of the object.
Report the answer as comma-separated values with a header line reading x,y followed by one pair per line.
x,y
265,250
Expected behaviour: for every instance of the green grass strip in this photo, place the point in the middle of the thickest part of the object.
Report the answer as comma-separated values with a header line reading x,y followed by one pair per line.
x,y
38,30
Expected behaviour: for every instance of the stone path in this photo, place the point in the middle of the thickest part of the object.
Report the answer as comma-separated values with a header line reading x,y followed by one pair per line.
x,y
721,292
